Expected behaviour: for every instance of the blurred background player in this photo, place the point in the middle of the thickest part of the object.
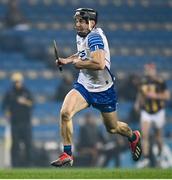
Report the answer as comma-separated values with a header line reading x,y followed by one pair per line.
x,y
94,86
17,105
151,100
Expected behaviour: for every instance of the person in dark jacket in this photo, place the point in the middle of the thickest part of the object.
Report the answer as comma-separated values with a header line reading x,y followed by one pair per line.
x,y
17,104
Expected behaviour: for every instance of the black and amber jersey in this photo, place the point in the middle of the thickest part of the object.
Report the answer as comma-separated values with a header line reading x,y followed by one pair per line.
x,y
149,85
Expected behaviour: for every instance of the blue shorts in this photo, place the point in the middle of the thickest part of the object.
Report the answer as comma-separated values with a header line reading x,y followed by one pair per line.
x,y
104,101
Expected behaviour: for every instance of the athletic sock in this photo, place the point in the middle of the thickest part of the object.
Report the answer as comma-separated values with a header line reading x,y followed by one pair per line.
x,y
132,138
68,149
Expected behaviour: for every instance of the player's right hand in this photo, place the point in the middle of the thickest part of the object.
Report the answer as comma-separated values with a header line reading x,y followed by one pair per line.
x,y
63,61
59,61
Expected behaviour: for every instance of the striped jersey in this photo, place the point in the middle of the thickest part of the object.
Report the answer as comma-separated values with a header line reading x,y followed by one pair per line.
x,y
155,86
94,80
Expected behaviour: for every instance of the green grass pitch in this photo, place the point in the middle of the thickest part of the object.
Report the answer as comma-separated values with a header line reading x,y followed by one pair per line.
x,y
83,173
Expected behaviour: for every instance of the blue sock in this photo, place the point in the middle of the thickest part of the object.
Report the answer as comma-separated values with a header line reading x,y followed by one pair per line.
x,y
68,149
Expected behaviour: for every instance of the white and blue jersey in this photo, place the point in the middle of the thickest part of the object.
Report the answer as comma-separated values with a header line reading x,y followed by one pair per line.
x,y
96,86
94,80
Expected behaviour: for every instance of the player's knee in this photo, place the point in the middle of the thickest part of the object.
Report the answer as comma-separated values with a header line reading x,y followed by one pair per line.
x,y
65,115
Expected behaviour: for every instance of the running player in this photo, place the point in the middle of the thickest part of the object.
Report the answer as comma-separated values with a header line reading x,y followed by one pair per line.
x,y
95,86
151,101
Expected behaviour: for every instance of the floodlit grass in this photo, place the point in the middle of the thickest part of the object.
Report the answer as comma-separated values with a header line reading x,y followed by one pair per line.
x,y
85,173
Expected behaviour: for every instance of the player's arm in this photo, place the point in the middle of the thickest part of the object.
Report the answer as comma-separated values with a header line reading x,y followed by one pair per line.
x,y
97,54
138,102
164,95
96,62
27,101
67,60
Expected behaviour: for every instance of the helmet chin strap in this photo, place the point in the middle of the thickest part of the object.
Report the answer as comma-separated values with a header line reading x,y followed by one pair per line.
x,y
91,27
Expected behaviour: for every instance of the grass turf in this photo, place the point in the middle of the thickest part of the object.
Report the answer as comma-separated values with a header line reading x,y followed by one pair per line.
x,y
83,173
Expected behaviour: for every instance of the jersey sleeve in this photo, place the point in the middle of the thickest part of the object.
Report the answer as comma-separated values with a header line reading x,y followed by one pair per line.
x,y
95,42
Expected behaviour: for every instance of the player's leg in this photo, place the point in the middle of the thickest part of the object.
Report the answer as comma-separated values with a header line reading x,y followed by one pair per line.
x,y
113,125
159,121
15,148
145,129
159,140
73,103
